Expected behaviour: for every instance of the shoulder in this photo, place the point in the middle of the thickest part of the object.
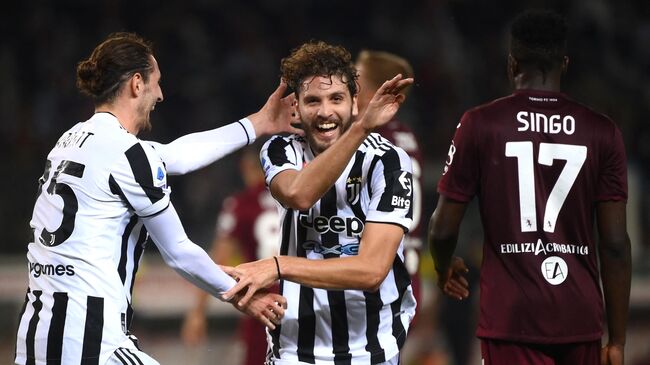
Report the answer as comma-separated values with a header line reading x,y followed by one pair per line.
x,y
485,110
380,148
279,140
592,115
400,134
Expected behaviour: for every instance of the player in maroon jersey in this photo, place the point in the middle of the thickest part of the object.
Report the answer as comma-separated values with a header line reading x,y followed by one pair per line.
x,y
247,230
374,68
545,169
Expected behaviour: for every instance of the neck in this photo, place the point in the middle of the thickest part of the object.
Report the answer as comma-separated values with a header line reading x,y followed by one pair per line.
x,y
538,81
123,115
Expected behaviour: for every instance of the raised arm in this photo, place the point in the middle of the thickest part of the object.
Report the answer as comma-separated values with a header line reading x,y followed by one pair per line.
x,y
301,189
197,150
615,273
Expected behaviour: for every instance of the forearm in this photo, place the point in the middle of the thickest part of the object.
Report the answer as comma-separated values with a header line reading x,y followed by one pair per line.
x,y
442,244
616,267
197,150
335,274
185,257
313,181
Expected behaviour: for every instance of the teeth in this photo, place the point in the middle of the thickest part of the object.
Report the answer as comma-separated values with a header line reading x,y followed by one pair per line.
x,y
327,126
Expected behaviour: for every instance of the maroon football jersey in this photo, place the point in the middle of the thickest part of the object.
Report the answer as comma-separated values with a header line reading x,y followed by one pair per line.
x,y
538,162
251,217
403,137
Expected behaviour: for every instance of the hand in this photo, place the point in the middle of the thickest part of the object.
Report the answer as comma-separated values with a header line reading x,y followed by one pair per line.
x,y
252,276
194,328
266,307
385,103
452,282
277,115
612,355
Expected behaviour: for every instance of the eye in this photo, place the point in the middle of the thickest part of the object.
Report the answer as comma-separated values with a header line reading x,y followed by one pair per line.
x,y
337,98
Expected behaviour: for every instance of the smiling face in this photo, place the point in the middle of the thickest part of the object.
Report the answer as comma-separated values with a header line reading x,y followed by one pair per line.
x,y
152,94
326,110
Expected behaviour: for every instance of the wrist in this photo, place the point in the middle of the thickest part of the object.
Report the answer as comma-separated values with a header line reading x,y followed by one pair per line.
x,y
277,267
360,127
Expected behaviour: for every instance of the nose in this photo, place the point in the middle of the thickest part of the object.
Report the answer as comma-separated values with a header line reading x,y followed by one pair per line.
x,y
325,111
160,96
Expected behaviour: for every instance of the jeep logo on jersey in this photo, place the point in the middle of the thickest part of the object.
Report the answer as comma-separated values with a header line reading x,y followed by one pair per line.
x,y
352,226
555,270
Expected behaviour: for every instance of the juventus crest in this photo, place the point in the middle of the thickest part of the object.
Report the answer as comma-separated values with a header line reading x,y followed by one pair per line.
x,y
353,187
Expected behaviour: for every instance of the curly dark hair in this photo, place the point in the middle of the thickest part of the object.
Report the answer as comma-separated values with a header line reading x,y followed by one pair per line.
x,y
112,62
317,58
539,39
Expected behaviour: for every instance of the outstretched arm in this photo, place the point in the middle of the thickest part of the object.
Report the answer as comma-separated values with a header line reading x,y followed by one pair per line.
x,y
365,271
615,273
197,150
194,327
301,189
194,264
444,226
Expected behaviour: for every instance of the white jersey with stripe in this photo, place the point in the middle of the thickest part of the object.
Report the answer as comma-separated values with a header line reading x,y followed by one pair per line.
x,y
344,326
101,186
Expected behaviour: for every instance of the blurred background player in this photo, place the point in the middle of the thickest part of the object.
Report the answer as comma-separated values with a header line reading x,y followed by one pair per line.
x,y
549,174
247,230
375,67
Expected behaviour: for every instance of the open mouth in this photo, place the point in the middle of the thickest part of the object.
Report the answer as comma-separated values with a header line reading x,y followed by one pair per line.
x,y
326,127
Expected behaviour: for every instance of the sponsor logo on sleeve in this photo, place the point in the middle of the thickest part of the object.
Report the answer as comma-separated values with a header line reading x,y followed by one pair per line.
x,y
402,190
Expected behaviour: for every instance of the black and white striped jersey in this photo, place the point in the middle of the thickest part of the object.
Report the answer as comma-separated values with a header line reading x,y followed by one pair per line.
x,y
87,243
344,326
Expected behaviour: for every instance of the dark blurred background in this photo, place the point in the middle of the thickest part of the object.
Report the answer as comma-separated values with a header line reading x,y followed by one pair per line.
x,y
220,60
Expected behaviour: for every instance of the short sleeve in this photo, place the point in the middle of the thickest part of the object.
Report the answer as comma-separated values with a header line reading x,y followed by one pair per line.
x,y
391,190
612,180
460,177
140,179
278,154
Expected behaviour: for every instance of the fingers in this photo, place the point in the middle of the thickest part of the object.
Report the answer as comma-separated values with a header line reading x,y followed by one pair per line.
x,y
279,300
388,85
228,270
279,91
265,321
456,290
454,284
395,85
234,290
247,297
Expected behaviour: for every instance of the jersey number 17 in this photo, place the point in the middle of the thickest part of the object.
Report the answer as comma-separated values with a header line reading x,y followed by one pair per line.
x,y
574,156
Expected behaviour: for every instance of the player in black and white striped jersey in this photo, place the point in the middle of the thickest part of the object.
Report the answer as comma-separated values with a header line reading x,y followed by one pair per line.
x,y
346,201
103,192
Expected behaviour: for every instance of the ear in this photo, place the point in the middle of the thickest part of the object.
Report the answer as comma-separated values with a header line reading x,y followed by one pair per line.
x,y
513,67
355,106
136,84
